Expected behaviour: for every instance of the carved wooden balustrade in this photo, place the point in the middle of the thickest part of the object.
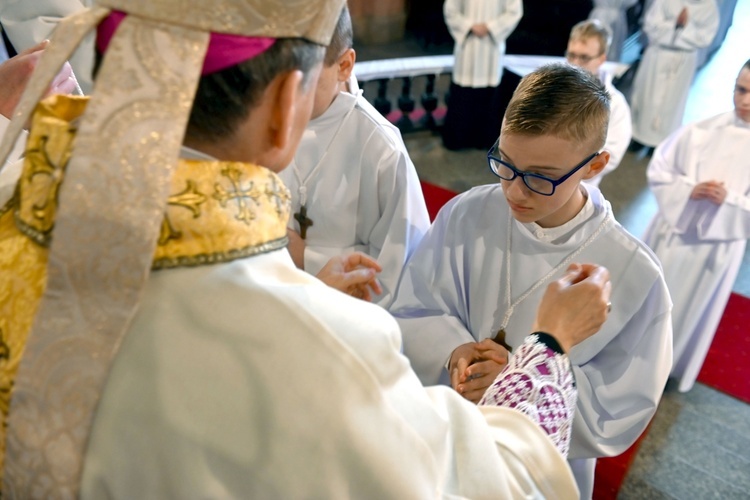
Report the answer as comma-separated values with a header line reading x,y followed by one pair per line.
x,y
407,76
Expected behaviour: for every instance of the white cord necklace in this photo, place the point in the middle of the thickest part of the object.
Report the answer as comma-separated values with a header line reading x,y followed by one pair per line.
x,y
510,307
301,216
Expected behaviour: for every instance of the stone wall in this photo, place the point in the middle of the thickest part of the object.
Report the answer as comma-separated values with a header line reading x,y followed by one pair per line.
x,y
378,21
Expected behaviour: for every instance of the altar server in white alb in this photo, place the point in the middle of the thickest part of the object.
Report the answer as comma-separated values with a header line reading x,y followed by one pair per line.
x,y
613,15
472,283
479,29
203,364
353,185
676,29
701,179
587,49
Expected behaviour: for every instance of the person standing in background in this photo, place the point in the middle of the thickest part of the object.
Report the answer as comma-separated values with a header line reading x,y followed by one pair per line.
x,y
587,49
479,28
612,13
676,29
701,179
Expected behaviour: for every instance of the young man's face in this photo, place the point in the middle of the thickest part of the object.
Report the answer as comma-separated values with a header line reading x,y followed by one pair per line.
x,y
551,157
586,54
330,83
742,95
327,89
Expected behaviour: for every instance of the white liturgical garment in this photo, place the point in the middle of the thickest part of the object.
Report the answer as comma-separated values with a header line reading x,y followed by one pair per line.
x,y
700,244
252,379
362,189
452,292
478,61
662,83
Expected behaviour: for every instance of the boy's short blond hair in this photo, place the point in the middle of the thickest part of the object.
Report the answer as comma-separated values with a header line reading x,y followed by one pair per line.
x,y
592,28
342,39
560,100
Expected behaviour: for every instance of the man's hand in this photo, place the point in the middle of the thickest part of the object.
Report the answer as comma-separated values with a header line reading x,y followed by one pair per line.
x,y
682,18
353,274
474,366
296,247
480,30
712,191
16,72
575,307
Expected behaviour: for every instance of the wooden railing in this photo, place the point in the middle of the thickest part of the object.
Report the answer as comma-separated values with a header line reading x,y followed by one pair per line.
x,y
383,74
430,74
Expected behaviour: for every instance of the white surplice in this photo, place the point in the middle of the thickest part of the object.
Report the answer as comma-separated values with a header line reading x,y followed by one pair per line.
x,y
364,196
478,61
662,84
700,244
452,292
619,131
612,13
252,379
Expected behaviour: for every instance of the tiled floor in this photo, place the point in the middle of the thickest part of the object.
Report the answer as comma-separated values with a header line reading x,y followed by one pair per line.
x,y
698,445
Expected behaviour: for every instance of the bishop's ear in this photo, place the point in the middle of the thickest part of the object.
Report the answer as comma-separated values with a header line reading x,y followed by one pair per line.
x,y
346,64
291,105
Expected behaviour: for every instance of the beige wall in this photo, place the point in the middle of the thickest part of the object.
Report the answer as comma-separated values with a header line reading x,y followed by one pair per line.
x,y
378,21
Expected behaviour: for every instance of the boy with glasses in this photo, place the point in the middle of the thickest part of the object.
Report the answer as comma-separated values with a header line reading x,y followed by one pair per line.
x,y
587,49
467,292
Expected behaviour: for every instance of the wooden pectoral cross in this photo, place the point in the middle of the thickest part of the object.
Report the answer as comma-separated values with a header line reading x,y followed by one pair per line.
x,y
499,338
304,222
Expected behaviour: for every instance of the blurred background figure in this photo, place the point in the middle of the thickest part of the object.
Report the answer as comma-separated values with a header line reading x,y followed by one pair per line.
x,y
587,49
479,28
613,14
701,178
676,29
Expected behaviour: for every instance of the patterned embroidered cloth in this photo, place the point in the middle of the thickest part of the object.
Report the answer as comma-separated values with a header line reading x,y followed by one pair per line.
x,y
539,383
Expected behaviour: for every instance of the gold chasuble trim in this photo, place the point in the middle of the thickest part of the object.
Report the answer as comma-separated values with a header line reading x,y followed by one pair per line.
x,y
216,212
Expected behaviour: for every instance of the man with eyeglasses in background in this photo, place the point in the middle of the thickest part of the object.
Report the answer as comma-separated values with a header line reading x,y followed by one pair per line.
x,y
587,49
467,293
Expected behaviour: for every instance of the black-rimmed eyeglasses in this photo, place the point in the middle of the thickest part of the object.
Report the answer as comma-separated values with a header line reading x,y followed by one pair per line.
x,y
535,182
584,58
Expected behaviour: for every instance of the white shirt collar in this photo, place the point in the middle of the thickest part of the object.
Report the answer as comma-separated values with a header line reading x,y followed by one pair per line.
x,y
193,154
740,122
551,234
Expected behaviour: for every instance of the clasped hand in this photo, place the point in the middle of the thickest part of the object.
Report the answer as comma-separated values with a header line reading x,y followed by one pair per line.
x,y
713,191
474,366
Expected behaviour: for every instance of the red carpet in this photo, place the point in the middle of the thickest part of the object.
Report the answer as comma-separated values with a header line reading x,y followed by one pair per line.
x,y
435,197
727,369
727,366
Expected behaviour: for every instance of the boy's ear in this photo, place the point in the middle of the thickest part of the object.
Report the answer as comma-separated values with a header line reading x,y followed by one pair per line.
x,y
597,165
346,64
